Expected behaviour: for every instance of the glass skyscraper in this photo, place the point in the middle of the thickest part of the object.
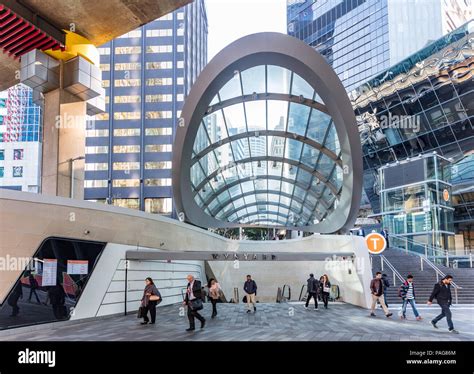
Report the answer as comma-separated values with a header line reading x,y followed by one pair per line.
x,y
147,74
361,38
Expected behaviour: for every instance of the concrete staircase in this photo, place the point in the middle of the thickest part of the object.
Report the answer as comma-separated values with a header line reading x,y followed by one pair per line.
x,y
407,263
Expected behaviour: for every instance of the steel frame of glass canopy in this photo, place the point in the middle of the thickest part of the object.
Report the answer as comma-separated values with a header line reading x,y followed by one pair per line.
x,y
267,137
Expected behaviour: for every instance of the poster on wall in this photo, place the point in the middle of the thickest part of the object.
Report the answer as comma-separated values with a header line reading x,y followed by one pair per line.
x,y
77,266
50,271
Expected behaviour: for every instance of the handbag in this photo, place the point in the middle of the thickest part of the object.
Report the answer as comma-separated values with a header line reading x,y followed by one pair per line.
x,y
327,289
155,298
196,304
141,312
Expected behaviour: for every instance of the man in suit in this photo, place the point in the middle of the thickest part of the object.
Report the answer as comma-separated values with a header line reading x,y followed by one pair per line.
x,y
384,233
193,300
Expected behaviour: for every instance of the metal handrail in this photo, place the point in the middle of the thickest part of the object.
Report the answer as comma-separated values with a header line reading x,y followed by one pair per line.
x,y
301,292
439,272
283,292
395,272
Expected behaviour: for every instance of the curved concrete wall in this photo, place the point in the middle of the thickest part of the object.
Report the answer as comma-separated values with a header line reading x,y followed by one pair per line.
x,y
27,219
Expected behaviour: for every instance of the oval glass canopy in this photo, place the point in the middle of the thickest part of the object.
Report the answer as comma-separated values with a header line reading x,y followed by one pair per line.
x,y
267,137
262,157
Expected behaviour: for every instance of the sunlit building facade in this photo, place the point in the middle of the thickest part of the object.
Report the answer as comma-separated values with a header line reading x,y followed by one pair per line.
x,y
147,74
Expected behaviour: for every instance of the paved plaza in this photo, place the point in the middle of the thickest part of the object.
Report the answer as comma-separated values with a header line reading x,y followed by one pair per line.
x,y
272,322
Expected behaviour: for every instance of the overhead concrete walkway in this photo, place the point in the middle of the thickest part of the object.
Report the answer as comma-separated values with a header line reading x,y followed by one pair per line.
x,y
272,322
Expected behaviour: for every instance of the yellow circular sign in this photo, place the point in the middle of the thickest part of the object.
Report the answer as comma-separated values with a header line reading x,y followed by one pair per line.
x,y
446,195
376,243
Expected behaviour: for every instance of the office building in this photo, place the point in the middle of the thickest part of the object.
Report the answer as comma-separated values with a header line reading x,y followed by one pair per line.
x,y
361,38
423,104
147,74
20,140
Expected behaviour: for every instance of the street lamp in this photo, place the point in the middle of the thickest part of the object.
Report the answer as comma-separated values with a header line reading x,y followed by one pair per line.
x,y
72,160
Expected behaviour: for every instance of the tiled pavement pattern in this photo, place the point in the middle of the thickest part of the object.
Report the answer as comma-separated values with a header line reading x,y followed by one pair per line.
x,y
272,322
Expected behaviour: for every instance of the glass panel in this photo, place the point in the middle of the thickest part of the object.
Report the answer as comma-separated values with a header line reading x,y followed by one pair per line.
x,y
277,114
253,80
332,141
309,155
301,87
216,128
278,79
256,115
235,119
298,118
201,140
258,145
318,124
196,174
293,149
231,88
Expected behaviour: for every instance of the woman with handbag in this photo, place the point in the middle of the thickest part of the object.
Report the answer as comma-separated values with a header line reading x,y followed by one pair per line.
x,y
151,297
325,287
214,295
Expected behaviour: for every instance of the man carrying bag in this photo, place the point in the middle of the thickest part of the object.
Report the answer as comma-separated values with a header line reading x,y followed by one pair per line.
x,y
193,300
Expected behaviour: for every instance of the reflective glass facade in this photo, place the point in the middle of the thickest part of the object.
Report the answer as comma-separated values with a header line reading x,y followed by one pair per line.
x,y
423,104
267,152
146,73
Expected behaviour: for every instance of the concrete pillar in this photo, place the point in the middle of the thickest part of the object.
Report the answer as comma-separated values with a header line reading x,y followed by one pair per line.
x,y
64,123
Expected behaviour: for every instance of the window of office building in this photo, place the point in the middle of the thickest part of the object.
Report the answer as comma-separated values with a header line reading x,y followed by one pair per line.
x,y
96,166
159,81
97,149
159,98
167,17
126,148
126,183
102,117
132,34
180,31
180,64
180,81
126,115
127,99
2,171
180,48
126,132
158,148
158,182
105,83
157,114
2,154
180,15
157,165
159,49
179,97
127,66
128,50
18,154
17,171
96,133
126,166
159,32
159,205
104,50
127,203
159,65
155,131
132,82
95,183
105,67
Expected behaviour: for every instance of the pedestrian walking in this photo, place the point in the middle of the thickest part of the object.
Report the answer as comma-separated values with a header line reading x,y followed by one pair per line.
x,y
214,294
312,287
151,297
250,288
376,289
407,293
442,294
193,301
325,287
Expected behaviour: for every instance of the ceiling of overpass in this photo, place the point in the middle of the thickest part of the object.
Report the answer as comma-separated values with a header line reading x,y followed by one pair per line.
x,y
92,19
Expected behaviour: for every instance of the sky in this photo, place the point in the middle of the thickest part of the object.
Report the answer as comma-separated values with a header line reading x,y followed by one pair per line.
x,y
230,20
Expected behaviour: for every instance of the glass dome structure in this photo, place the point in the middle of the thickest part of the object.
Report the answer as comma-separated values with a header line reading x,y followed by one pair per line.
x,y
262,142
